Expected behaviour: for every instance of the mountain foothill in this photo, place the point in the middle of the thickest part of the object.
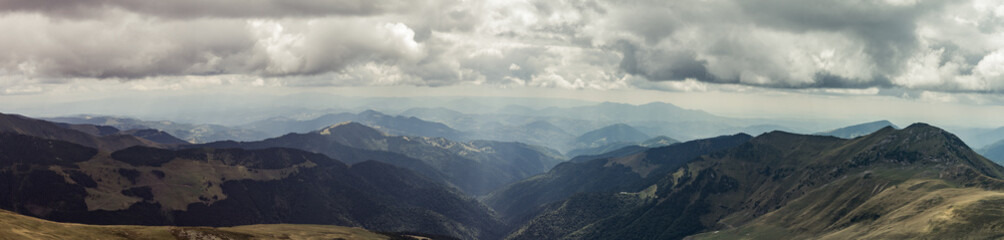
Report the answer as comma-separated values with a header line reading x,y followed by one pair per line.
x,y
606,171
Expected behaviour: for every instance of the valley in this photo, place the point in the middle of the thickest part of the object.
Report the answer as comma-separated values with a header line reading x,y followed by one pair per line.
x,y
397,176
501,120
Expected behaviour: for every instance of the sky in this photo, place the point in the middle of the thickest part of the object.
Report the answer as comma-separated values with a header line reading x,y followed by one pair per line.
x,y
908,60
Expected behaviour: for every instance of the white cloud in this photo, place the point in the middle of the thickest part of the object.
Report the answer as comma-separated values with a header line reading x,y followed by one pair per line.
x,y
577,44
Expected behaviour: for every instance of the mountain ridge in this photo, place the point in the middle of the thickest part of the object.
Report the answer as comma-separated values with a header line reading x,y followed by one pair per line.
x,y
475,167
858,129
227,187
18,124
770,171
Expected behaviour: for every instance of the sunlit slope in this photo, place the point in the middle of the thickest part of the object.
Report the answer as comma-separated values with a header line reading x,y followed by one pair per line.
x,y
912,209
15,226
920,185
782,185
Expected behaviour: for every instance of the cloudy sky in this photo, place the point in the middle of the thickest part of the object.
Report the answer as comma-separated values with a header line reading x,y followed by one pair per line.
x,y
732,57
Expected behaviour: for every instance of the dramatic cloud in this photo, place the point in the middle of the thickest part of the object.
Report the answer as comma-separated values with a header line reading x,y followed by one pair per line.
x,y
213,9
913,45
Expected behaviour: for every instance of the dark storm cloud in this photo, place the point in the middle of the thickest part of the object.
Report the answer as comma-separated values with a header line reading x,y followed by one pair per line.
x,y
662,65
816,44
827,80
928,45
216,8
888,31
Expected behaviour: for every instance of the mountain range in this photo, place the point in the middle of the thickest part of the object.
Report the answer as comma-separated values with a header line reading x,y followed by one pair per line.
x,y
614,137
476,167
394,125
557,126
869,181
858,130
518,202
192,133
994,152
889,184
980,137
16,124
67,182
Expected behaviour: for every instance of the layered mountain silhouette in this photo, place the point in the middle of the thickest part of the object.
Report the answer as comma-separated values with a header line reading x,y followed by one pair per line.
x,y
915,182
610,134
980,137
192,133
620,147
17,124
394,125
557,127
994,152
156,136
517,202
475,167
858,130
67,182
889,184
610,138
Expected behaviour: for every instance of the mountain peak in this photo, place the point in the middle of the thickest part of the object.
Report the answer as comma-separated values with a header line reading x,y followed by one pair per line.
x,y
351,128
923,132
613,133
660,105
918,144
612,104
372,113
923,126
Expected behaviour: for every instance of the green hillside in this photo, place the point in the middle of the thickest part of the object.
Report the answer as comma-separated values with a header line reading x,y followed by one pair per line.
x,y
919,181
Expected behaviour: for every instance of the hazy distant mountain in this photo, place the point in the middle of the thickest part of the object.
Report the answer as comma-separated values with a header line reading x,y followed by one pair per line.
x,y
48,130
438,114
394,125
194,133
858,130
540,132
499,126
153,135
655,142
475,167
653,119
980,137
606,139
66,182
615,146
624,151
889,184
994,152
610,134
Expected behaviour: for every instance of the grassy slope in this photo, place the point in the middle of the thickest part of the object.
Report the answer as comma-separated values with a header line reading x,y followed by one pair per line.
x,y
14,226
944,193
783,186
923,208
